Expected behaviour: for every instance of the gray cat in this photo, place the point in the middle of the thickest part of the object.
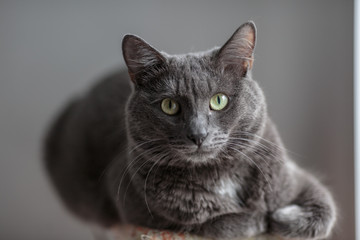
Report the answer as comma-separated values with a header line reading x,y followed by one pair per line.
x,y
187,146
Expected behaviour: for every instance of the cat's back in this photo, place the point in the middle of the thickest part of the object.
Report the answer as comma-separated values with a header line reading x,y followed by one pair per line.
x,y
102,107
81,143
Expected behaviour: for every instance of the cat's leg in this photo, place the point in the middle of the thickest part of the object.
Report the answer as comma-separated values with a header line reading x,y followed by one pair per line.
x,y
310,216
233,225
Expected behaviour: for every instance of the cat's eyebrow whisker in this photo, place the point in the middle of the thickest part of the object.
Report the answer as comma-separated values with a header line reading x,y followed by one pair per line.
x,y
252,161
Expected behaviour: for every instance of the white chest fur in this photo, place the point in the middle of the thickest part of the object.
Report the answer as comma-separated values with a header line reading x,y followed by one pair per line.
x,y
226,188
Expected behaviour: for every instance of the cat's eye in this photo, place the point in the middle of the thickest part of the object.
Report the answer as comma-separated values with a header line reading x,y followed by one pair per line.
x,y
218,101
170,106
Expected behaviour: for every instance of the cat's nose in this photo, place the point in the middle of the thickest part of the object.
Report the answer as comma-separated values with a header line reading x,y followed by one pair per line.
x,y
198,138
197,129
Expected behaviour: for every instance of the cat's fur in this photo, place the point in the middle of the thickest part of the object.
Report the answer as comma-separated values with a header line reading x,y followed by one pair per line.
x,y
116,158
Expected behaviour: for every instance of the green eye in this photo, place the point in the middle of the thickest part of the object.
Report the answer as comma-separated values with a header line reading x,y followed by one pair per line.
x,y
169,106
218,101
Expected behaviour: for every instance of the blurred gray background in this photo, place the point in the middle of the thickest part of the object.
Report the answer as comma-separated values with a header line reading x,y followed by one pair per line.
x,y
51,50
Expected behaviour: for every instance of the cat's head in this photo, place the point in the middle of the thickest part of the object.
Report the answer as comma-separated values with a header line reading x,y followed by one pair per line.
x,y
193,106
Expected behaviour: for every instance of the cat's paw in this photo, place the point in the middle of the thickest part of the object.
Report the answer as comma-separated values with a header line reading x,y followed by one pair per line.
x,y
232,226
291,213
294,221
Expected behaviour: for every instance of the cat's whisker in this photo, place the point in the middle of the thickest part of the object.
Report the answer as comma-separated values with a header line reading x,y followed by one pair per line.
x,y
252,161
251,140
262,157
111,163
268,141
157,168
143,143
244,188
258,167
259,146
147,176
138,158
131,164
116,158
167,167
127,148
138,169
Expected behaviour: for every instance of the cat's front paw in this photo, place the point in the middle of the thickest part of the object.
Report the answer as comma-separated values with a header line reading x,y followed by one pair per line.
x,y
294,221
232,226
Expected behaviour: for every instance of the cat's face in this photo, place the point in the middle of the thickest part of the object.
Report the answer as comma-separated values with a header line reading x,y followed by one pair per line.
x,y
192,107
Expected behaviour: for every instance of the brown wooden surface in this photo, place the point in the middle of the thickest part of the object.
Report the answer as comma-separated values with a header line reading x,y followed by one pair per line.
x,y
139,233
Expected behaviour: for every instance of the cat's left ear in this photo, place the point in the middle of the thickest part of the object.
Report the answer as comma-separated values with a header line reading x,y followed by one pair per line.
x,y
140,57
237,53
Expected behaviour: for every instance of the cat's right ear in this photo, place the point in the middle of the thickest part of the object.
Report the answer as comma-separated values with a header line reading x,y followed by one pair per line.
x,y
236,55
140,57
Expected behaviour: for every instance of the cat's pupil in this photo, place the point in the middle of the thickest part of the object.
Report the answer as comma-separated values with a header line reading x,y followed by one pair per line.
x,y
218,99
170,104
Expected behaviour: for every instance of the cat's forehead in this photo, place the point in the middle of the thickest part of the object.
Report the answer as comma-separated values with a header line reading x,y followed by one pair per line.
x,y
192,74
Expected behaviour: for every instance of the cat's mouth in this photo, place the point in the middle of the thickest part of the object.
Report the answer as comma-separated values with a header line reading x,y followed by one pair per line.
x,y
197,153
201,153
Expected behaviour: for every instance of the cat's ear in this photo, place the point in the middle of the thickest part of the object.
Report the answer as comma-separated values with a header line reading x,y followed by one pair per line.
x,y
237,53
139,56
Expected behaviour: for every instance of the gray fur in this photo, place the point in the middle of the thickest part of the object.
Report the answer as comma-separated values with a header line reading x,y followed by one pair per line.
x,y
116,158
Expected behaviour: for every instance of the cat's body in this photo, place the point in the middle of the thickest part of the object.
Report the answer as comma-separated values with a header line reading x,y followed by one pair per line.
x,y
116,157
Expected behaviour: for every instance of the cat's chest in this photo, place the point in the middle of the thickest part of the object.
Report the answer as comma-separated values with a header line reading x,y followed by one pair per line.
x,y
226,188
194,203
223,189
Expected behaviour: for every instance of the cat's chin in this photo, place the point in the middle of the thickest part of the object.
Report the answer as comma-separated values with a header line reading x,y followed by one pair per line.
x,y
200,155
